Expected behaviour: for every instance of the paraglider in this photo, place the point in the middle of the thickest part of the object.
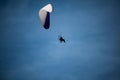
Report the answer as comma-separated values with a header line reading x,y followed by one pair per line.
x,y
44,14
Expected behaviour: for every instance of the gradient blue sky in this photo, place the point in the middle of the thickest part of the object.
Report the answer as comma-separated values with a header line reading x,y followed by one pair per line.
x,y
91,29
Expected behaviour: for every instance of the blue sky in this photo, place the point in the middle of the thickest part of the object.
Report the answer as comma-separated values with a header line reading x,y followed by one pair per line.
x,y
91,29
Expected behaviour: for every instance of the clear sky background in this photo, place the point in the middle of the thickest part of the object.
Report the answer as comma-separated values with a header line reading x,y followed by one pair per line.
x,y
91,29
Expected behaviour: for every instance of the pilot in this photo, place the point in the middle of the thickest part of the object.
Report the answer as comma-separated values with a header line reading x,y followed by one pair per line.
x,y
61,39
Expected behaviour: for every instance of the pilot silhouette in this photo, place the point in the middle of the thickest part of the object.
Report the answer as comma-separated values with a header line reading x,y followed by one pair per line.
x,y
61,39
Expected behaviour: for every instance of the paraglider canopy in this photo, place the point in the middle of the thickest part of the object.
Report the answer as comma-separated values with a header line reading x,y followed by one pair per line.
x,y
44,14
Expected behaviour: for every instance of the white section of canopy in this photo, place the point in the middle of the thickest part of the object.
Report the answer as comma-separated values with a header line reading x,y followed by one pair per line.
x,y
43,15
48,8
